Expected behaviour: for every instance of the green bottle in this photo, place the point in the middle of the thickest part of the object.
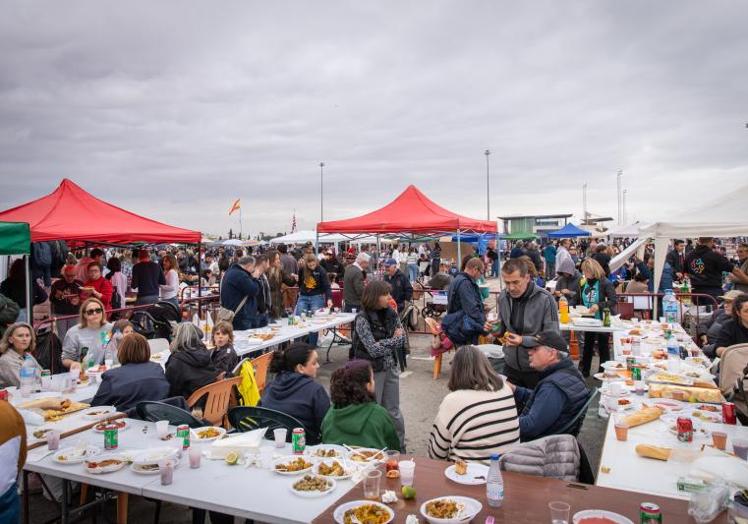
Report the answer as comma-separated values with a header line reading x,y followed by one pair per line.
x,y
606,317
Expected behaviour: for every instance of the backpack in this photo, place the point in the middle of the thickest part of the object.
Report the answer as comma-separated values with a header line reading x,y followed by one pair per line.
x,y
116,298
8,312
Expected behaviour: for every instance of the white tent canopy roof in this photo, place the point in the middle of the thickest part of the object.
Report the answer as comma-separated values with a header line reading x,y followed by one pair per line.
x,y
629,231
301,237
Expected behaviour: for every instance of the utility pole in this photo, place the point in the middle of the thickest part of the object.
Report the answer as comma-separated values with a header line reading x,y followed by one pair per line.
x,y
488,186
584,203
321,191
619,197
623,197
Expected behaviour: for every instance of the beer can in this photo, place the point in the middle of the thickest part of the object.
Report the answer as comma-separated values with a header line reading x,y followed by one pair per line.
x,y
298,441
636,373
649,513
728,413
685,429
111,436
183,432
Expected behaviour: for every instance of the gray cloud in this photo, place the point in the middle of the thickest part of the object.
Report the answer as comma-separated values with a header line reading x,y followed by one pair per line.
x,y
173,109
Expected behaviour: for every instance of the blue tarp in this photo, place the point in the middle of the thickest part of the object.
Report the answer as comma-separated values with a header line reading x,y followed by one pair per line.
x,y
568,231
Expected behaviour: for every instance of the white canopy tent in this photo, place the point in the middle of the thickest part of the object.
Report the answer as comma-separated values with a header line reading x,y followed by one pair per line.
x,y
724,217
629,231
302,237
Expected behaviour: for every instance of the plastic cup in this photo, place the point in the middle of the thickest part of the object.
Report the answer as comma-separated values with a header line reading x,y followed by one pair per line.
x,y
266,457
622,431
639,387
615,388
280,437
559,512
740,448
407,472
371,484
195,454
162,428
719,439
392,461
166,470
53,440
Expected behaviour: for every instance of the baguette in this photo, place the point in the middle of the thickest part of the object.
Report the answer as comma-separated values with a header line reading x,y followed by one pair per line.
x,y
686,394
653,452
644,415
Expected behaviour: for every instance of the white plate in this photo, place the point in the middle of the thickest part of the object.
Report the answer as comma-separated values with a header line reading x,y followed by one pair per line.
x,y
196,437
471,508
152,456
348,468
468,479
99,412
74,455
118,421
381,457
291,458
107,469
313,494
603,378
342,453
589,513
613,364
139,469
339,513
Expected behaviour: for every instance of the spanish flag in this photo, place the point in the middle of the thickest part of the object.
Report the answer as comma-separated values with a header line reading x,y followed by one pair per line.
x,y
235,206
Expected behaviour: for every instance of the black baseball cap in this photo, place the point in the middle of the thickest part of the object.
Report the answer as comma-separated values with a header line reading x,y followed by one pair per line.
x,y
552,339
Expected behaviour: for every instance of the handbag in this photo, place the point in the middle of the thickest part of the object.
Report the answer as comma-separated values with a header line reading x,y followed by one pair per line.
x,y
227,315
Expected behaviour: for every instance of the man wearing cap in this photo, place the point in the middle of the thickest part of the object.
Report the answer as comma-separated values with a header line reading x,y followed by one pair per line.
x,y
401,290
719,317
558,396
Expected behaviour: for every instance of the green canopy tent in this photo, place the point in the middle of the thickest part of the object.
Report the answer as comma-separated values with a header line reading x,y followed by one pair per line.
x,y
15,239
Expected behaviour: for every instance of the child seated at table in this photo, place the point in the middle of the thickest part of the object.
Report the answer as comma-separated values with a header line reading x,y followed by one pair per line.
x,y
223,355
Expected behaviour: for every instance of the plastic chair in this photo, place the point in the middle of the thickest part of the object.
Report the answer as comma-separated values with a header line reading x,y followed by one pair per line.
x,y
245,418
574,426
261,365
152,411
219,397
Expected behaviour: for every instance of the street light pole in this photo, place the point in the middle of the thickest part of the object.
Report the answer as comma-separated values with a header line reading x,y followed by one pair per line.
x,y
488,186
321,191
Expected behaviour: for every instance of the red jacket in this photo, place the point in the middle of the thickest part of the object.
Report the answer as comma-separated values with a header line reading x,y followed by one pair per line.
x,y
103,286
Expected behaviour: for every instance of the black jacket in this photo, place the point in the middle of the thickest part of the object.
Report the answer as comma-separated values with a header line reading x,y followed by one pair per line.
x,y
236,284
16,291
224,359
401,288
732,333
314,282
572,284
333,266
604,260
676,260
125,386
189,370
705,267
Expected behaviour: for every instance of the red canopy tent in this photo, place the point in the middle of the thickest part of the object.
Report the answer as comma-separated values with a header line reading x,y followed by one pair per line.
x,y
69,213
410,212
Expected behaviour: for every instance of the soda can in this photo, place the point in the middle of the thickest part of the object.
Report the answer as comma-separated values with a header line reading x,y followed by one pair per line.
x,y
630,363
183,432
636,373
298,441
111,436
4,394
649,513
685,429
728,413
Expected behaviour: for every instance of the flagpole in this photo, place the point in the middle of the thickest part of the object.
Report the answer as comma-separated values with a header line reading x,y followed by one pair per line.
x,y
240,219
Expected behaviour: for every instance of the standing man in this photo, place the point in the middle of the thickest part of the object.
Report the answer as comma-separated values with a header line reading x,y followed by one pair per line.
x,y
740,274
239,290
466,318
64,298
677,258
264,298
534,254
147,276
353,282
401,290
493,258
563,256
525,310
705,267
549,254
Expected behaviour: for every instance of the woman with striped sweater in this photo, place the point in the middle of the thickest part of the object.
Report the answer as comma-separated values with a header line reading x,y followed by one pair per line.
x,y
479,417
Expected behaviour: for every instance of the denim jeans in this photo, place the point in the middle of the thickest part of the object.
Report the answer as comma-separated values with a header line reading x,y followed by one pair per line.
x,y
310,303
413,272
10,505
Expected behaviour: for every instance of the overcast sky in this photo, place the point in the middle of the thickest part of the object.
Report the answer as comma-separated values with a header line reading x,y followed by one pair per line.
x,y
174,109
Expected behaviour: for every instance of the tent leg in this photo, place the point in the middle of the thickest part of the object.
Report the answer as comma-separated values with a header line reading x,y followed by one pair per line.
x,y
29,305
459,251
200,279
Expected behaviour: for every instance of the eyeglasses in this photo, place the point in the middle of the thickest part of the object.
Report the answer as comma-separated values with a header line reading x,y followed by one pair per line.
x,y
96,311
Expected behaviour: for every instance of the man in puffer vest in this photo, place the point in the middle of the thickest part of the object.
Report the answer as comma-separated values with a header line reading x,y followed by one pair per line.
x,y
558,396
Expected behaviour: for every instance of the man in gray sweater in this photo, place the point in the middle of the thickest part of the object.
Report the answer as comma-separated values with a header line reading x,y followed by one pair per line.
x,y
353,282
525,310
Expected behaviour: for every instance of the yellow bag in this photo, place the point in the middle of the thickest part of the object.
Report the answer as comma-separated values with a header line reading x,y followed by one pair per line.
x,y
248,389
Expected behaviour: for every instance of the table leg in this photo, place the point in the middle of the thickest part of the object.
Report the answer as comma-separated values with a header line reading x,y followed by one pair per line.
x,y
327,357
26,517
122,501
437,365
84,494
64,510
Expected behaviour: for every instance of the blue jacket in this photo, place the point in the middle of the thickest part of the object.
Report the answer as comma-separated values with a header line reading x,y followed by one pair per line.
x,y
237,283
301,397
558,396
666,281
465,315
125,386
401,290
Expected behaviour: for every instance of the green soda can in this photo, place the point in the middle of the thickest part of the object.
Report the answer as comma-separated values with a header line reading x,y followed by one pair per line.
x,y
650,513
111,436
636,373
183,432
298,441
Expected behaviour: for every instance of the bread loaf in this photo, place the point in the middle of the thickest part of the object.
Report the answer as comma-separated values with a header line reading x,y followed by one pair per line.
x,y
644,415
654,452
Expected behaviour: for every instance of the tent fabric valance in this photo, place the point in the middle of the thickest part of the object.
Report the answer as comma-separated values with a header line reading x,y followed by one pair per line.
x,y
70,213
569,231
15,238
519,235
411,212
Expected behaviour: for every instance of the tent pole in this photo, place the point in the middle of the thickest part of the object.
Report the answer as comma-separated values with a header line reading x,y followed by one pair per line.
x,y
200,279
459,251
29,306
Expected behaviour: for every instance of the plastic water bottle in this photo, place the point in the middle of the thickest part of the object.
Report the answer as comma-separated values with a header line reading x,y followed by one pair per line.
x,y
494,483
670,307
673,355
28,375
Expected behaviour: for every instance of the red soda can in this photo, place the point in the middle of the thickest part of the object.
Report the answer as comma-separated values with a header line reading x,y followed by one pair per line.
x,y
685,429
728,413
4,394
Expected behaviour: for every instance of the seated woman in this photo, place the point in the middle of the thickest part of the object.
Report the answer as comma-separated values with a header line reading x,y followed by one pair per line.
x,y
91,332
294,391
18,341
189,367
735,330
479,417
223,356
137,379
355,418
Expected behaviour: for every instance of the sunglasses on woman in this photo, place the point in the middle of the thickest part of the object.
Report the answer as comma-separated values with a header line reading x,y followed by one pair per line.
x,y
96,311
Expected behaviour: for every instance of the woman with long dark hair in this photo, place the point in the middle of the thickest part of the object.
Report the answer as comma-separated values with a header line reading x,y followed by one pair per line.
x,y
355,418
314,289
295,391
